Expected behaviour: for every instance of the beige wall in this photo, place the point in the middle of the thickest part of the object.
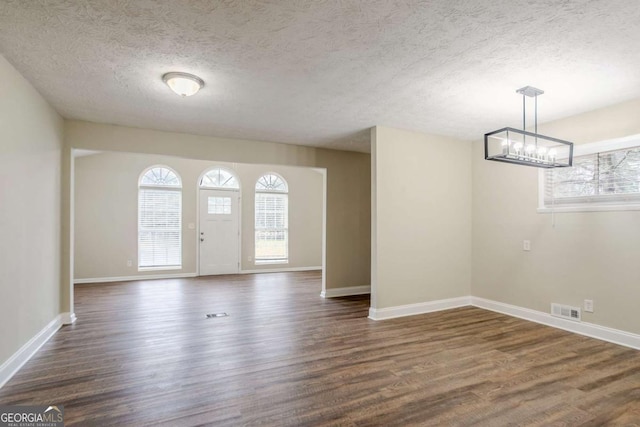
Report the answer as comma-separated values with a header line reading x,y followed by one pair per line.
x,y
592,255
106,199
348,186
421,217
30,144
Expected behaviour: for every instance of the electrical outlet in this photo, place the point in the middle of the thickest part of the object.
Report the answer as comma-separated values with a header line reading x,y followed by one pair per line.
x,y
526,245
129,263
588,305
249,258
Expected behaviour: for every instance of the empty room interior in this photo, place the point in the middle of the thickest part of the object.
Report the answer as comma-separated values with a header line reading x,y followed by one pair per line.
x,y
305,213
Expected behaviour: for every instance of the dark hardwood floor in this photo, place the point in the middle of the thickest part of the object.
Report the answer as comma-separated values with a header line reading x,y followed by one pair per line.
x,y
144,353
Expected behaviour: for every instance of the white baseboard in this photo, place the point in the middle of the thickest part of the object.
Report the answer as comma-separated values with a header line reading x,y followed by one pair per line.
x,y
345,292
592,330
183,275
130,278
419,308
280,270
22,356
68,318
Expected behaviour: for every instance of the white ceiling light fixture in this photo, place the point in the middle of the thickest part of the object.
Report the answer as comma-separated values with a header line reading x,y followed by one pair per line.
x,y
521,147
184,84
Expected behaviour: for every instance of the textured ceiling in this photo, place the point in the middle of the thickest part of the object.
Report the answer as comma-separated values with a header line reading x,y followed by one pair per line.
x,y
320,72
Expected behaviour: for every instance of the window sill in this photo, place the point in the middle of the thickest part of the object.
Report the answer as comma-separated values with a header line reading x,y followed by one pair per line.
x,y
170,267
272,262
592,208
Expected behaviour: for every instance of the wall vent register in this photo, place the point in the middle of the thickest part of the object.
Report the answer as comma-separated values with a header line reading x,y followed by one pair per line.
x,y
566,312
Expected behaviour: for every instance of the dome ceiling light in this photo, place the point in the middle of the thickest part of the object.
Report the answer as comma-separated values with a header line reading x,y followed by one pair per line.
x,y
184,84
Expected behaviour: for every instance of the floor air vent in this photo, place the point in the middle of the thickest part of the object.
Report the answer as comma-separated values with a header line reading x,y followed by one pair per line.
x,y
566,312
211,316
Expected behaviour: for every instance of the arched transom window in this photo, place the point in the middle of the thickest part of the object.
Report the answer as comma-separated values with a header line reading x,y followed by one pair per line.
x,y
160,176
159,219
220,178
271,182
272,220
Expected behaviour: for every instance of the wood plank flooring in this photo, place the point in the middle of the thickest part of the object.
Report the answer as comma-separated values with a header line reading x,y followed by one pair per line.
x,y
144,353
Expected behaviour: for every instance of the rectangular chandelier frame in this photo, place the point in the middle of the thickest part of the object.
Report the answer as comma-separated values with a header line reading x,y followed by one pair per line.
x,y
520,147
516,146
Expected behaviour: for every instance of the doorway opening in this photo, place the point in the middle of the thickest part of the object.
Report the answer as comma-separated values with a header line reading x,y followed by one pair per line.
x,y
218,199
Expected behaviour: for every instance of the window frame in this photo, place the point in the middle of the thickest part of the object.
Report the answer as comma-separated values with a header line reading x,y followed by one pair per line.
x,y
281,192
177,188
619,202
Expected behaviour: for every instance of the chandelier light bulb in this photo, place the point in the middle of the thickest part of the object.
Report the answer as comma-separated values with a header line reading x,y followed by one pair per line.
x,y
505,146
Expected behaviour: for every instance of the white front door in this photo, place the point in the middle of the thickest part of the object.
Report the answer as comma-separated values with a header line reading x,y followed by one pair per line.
x,y
219,232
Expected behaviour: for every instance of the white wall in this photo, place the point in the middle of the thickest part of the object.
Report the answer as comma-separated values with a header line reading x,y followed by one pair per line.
x,y
30,145
591,255
421,217
106,203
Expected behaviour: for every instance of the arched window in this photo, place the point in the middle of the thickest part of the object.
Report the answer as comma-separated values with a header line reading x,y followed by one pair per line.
x,y
159,219
160,176
219,178
272,220
271,183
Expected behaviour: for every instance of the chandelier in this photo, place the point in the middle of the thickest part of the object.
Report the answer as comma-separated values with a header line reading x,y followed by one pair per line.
x,y
526,148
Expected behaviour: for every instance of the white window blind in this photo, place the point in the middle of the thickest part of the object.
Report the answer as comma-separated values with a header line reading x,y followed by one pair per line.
x,y
600,179
271,227
160,219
